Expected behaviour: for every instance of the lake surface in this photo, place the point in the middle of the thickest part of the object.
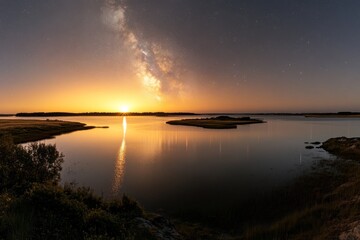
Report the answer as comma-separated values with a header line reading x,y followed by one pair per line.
x,y
180,168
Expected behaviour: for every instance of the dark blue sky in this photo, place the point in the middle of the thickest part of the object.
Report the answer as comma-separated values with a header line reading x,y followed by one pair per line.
x,y
196,55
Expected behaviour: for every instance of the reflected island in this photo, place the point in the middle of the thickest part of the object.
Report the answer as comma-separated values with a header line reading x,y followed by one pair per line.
x,y
220,122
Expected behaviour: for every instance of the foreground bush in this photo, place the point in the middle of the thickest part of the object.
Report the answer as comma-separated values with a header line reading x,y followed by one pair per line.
x,y
23,166
34,206
50,212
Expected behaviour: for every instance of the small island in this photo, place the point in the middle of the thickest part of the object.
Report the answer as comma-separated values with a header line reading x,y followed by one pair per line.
x,y
23,131
220,122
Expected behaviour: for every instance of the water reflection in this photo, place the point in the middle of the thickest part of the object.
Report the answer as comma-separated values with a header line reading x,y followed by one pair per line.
x,y
119,170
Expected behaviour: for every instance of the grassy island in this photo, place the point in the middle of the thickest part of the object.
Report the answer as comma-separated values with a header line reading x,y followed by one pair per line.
x,y
33,130
221,122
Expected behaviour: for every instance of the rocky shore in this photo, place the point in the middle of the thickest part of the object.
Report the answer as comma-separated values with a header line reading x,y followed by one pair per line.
x,y
343,147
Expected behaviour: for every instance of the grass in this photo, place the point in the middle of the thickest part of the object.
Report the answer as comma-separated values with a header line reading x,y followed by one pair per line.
x,y
33,130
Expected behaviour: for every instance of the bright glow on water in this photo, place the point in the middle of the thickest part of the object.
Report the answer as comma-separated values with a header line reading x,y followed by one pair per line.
x,y
120,163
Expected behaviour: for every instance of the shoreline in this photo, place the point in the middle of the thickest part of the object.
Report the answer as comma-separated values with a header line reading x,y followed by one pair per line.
x,y
23,131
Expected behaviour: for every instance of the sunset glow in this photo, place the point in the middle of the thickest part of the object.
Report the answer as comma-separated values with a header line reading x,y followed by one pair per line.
x,y
124,108
227,60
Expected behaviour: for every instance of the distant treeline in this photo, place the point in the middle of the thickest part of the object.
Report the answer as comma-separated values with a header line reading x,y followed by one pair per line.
x,y
69,114
164,114
338,114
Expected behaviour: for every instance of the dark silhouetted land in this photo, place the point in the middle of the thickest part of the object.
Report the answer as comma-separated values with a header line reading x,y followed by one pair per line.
x,y
334,115
221,122
90,114
33,130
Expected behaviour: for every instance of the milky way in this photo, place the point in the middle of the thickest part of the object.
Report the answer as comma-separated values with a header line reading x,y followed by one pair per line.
x,y
155,66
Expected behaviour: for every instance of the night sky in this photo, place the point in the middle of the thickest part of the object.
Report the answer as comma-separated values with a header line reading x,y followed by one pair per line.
x,y
180,55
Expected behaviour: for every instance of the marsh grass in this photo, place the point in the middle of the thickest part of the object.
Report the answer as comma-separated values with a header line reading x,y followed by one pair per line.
x,y
33,130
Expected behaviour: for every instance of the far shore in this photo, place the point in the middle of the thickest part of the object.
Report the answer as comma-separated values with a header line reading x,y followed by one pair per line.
x,y
23,131
105,114
173,114
333,115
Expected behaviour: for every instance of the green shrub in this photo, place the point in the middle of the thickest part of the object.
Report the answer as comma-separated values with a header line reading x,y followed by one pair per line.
x,y
22,166
55,216
126,208
100,223
84,195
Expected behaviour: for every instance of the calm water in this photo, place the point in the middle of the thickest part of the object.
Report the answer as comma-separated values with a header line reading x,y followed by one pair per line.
x,y
177,167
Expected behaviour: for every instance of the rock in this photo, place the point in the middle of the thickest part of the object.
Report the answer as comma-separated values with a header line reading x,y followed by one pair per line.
x,y
343,147
352,234
309,147
316,143
158,227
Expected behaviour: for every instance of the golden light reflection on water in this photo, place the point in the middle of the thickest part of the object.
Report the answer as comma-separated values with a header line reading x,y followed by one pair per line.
x,y
119,170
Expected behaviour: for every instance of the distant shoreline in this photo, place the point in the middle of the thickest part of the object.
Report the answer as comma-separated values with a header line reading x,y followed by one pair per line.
x,y
333,115
94,114
172,114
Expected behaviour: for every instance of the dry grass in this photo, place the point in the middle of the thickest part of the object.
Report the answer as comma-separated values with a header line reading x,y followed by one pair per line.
x,y
33,130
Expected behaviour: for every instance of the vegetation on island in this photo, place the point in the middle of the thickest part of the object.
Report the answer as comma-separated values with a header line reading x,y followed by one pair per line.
x,y
33,130
220,122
